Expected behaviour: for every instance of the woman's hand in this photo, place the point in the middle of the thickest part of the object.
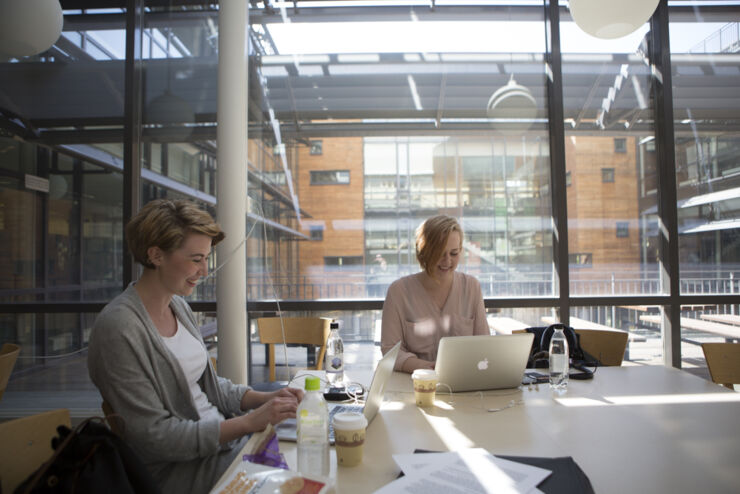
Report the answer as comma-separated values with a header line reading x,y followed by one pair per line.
x,y
253,399
288,392
272,412
413,363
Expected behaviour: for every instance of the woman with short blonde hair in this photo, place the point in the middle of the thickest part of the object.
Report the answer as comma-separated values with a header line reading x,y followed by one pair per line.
x,y
148,359
431,240
422,308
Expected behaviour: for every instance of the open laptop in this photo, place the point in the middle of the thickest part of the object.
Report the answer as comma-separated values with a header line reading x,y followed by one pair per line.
x,y
476,363
286,430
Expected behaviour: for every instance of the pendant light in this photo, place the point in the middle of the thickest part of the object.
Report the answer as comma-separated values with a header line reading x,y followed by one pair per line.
x,y
29,27
512,107
609,19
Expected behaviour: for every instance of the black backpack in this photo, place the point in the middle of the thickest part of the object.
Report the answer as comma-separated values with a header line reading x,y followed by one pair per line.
x,y
90,459
539,355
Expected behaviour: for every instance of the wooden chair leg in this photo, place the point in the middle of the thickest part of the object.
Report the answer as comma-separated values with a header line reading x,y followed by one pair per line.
x,y
271,361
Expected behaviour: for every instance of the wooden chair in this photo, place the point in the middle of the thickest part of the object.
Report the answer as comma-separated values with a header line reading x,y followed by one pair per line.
x,y
25,444
298,330
8,356
607,347
723,360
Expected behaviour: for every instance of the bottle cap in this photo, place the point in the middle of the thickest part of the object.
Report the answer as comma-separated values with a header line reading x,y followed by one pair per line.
x,y
334,325
313,383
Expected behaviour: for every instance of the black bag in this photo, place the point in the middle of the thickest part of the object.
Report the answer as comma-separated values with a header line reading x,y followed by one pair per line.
x,y
90,459
539,355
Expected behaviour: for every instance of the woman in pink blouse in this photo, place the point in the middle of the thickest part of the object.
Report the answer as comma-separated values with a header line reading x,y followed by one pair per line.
x,y
421,308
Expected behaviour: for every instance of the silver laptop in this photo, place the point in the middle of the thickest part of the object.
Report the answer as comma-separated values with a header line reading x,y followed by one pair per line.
x,y
476,363
286,430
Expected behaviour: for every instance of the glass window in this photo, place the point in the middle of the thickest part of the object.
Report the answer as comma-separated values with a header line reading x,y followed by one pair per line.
x,y
608,133
707,149
607,175
317,232
316,147
329,177
420,123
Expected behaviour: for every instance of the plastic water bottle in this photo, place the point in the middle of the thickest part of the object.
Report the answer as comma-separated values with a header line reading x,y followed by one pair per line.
x,y
559,364
334,362
313,431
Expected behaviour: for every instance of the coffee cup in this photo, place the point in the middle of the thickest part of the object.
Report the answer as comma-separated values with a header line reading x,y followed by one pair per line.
x,y
425,386
349,437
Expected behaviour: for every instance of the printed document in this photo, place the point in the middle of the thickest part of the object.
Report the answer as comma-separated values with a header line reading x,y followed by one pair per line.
x,y
470,471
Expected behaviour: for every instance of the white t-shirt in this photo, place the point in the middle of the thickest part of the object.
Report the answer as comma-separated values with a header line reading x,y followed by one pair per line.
x,y
193,359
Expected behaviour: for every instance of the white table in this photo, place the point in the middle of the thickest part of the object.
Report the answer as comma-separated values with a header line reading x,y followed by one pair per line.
x,y
631,429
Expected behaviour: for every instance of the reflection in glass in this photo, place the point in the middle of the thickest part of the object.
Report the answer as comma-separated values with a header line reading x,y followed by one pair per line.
x,y
707,147
402,122
610,162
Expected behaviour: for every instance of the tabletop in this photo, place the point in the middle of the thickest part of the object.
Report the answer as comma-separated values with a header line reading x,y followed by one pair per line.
x,y
631,429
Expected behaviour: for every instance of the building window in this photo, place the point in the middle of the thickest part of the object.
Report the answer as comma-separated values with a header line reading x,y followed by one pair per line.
x,y
317,148
343,260
330,177
580,260
277,178
317,232
623,229
568,179
607,175
620,145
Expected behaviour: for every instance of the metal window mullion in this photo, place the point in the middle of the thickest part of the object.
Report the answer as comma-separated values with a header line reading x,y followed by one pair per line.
x,y
558,193
660,59
132,124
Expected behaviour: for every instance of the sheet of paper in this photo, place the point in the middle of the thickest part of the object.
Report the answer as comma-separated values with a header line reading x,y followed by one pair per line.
x,y
472,471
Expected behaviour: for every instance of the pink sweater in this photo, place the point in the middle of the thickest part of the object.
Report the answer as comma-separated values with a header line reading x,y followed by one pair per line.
x,y
411,316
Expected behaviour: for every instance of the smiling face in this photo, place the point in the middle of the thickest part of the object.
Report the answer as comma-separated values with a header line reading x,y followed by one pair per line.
x,y
179,271
450,257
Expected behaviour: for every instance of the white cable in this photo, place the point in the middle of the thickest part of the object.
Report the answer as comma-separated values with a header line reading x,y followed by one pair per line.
x,y
228,258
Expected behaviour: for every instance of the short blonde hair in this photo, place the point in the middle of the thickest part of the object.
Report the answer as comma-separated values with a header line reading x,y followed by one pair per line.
x,y
164,223
431,240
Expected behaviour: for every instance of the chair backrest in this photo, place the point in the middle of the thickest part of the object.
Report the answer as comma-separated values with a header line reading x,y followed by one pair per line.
x,y
723,360
299,330
26,445
607,347
8,356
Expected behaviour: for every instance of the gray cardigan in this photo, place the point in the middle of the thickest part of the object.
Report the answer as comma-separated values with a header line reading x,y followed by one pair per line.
x,y
143,382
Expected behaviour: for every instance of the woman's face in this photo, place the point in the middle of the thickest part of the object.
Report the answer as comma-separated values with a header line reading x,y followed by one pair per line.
x,y
447,263
180,270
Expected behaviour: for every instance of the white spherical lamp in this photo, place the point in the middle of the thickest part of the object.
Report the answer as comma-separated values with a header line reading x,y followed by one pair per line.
x,y
609,19
512,107
29,27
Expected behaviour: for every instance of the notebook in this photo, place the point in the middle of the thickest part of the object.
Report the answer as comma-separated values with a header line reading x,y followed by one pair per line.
x,y
476,363
286,430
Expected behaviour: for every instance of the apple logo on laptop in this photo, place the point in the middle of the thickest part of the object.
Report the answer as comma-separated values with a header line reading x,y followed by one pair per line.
x,y
483,364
